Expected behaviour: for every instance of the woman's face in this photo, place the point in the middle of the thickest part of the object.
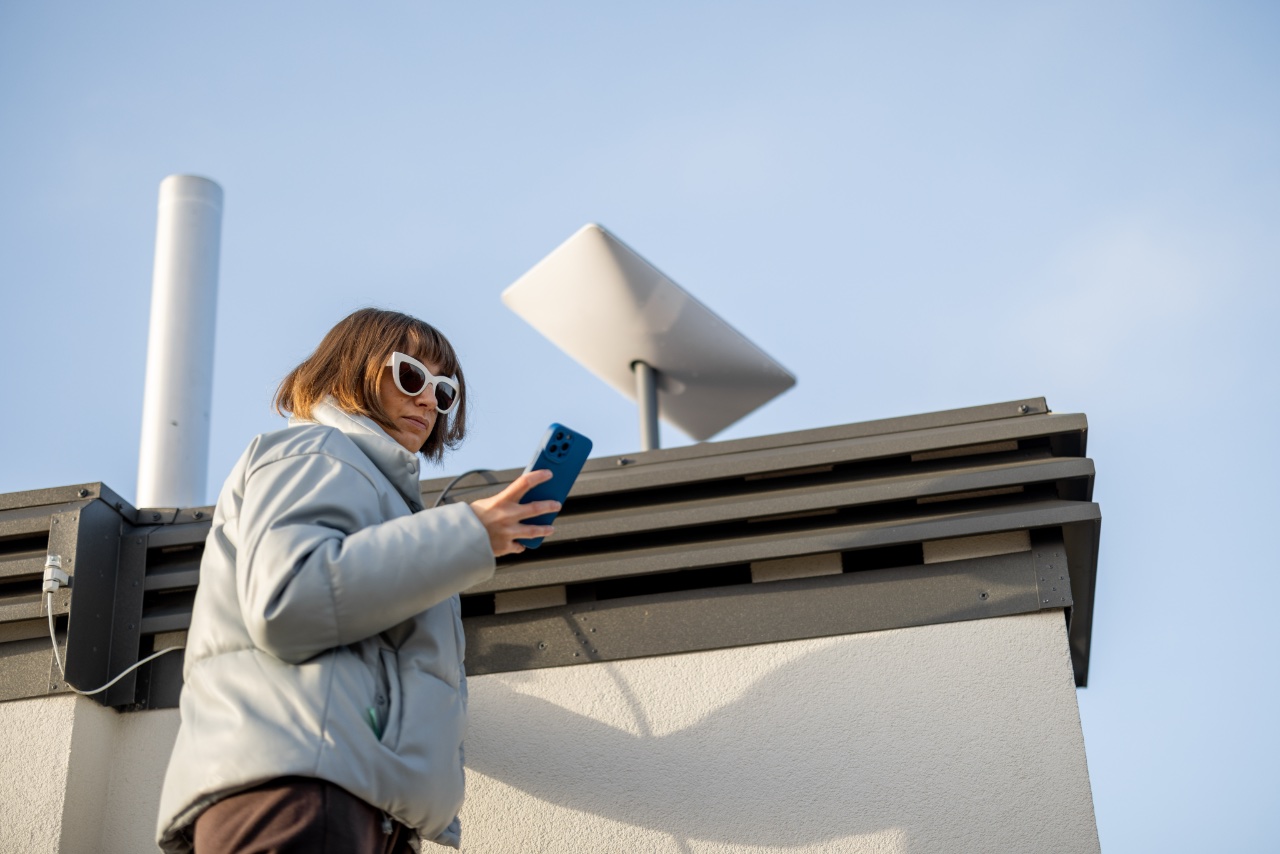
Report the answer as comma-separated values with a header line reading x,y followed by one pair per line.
x,y
411,417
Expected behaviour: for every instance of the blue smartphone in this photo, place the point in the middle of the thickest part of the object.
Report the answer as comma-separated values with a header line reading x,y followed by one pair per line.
x,y
562,451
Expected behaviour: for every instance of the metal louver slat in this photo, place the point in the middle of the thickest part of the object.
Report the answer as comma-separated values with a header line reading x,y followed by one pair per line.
x,y
835,538
818,495
657,469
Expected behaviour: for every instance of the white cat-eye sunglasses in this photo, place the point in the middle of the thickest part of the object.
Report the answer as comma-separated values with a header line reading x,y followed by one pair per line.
x,y
412,378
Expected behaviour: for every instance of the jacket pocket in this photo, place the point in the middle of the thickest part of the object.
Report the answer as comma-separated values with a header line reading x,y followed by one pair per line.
x,y
459,636
391,679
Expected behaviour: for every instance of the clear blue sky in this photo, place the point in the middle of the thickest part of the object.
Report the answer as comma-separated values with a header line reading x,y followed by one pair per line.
x,y
913,207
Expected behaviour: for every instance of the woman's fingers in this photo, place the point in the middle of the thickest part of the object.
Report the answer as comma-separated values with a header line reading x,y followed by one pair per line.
x,y
508,543
503,515
538,508
511,495
525,482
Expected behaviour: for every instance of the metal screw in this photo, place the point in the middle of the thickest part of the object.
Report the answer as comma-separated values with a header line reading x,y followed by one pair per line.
x,y
593,628
623,461
155,516
199,514
577,654
82,493
1024,409
983,595
542,645
137,541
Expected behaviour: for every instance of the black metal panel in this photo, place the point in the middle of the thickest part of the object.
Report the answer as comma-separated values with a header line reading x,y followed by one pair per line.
x,y
173,571
101,641
752,614
64,539
27,668
1081,542
107,560
659,539
24,540
127,624
160,681
33,524
64,495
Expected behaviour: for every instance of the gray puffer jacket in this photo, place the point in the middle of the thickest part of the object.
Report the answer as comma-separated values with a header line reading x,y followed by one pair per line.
x,y
326,639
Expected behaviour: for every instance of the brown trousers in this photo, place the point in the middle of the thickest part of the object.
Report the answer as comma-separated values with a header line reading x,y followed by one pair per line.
x,y
297,815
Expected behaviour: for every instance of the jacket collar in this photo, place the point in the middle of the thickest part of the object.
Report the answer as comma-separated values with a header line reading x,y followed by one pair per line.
x,y
392,459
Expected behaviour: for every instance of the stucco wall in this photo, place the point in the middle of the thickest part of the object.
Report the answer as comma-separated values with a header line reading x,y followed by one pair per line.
x,y
142,746
952,738
76,777
35,752
55,765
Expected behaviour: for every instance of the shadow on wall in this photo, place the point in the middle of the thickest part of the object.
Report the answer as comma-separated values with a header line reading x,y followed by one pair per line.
x,y
936,735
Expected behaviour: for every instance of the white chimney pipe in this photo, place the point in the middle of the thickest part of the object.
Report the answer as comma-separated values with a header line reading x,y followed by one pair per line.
x,y
173,461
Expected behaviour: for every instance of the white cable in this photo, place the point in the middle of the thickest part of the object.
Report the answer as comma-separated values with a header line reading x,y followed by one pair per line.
x,y
451,484
53,637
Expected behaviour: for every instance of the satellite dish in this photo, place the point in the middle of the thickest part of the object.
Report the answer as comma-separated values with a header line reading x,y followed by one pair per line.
x,y
631,326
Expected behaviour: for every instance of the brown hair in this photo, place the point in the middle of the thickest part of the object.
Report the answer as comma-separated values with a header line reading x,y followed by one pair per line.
x,y
348,365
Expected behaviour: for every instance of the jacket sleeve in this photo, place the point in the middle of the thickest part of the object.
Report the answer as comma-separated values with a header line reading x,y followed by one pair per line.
x,y
317,568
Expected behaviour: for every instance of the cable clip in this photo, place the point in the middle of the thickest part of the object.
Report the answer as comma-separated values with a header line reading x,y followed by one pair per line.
x,y
54,577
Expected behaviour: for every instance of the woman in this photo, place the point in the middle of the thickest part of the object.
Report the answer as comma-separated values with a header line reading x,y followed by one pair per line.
x,y
324,700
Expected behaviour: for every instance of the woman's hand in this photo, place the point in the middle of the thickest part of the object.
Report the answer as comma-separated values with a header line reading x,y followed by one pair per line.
x,y
501,514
